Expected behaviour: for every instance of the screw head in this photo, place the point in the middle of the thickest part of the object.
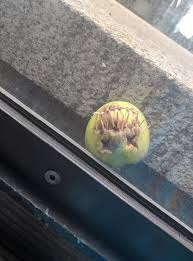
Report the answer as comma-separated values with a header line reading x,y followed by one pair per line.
x,y
52,177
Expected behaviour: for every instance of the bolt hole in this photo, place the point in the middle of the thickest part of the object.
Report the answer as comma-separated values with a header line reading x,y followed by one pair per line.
x,y
52,177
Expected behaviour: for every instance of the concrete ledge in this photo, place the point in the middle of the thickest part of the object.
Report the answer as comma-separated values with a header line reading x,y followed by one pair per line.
x,y
85,53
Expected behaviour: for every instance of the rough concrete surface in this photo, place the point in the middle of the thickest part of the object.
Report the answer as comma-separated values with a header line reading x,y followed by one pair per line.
x,y
85,53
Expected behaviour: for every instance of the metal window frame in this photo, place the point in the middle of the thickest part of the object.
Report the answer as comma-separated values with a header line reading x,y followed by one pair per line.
x,y
24,237
31,145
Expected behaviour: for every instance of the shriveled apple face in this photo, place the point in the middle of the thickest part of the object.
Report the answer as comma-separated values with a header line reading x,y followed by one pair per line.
x,y
117,134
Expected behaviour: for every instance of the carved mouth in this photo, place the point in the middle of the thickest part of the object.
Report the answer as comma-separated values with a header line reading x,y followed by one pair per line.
x,y
117,123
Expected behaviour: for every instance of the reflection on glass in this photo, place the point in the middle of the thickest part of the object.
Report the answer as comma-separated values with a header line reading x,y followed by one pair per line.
x,y
76,66
185,25
172,17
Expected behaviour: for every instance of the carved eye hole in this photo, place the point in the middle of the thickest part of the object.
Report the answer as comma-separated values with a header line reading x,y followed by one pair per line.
x,y
129,139
109,144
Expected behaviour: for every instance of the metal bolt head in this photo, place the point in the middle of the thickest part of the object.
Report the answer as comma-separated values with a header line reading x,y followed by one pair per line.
x,y
52,177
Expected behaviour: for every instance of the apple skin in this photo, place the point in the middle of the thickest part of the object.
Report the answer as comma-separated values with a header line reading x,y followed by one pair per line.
x,y
118,134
